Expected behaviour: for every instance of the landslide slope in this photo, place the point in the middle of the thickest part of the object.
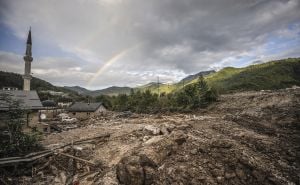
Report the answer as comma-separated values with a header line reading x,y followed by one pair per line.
x,y
245,138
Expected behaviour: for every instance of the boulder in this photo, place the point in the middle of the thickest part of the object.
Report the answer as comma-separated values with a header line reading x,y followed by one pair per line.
x,y
135,170
140,168
152,129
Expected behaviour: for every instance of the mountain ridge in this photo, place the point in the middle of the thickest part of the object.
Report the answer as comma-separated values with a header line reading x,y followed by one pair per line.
x,y
195,76
270,75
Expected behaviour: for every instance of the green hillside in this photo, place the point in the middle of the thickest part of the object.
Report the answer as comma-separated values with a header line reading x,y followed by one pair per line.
x,y
15,80
266,76
110,91
271,75
153,87
78,89
9,79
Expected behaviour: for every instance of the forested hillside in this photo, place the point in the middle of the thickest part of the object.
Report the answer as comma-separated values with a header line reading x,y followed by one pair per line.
x,y
267,76
9,79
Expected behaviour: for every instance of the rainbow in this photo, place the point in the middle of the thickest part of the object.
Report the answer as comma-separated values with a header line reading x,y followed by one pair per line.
x,y
110,62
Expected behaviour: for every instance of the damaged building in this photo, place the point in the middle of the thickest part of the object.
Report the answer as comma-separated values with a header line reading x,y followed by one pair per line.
x,y
85,110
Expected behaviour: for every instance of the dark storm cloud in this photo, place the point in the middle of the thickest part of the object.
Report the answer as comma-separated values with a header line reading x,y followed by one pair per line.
x,y
171,38
211,26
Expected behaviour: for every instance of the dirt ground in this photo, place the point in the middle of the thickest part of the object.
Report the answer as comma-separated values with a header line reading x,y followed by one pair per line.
x,y
244,138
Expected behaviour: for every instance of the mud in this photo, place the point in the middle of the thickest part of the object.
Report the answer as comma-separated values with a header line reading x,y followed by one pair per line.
x,y
244,138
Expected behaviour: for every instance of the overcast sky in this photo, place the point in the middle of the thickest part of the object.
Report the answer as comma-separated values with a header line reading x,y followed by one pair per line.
x,y
100,43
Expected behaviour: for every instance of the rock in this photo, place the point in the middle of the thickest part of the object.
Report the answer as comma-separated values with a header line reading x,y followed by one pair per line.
x,y
164,131
153,140
152,129
135,170
178,136
41,174
129,171
222,143
220,180
124,114
240,173
229,175
170,127
158,151
54,170
60,179
146,138
140,168
218,172
194,151
228,117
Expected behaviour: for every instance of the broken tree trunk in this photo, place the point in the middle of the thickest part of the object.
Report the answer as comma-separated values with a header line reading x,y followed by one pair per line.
x,y
12,161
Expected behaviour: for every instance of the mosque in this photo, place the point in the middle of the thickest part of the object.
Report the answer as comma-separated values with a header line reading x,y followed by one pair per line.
x,y
28,99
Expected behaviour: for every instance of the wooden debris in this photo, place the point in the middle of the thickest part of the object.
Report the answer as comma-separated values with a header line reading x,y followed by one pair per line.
x,y
77,158
10,161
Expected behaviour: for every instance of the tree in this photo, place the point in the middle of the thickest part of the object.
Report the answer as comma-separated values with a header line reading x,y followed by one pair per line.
x,y
105,100
121,103
202,85
206,94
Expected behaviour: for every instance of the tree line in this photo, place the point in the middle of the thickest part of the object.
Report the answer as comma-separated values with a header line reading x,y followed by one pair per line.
x,y
187,99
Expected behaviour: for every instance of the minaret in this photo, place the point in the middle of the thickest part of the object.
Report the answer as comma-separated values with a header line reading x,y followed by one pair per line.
x,y
28,59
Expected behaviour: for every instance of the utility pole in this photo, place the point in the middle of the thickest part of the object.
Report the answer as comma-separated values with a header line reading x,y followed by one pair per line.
x,y
158,86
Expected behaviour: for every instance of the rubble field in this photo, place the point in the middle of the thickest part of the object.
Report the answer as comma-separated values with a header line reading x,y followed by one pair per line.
x,y
244,138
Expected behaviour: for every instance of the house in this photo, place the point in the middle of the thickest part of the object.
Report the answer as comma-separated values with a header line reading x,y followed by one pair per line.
x,y
85,110
50,108
29,101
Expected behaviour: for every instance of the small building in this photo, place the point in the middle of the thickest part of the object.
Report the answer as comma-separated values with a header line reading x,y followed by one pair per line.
x,y
50,108
28,101
85,110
